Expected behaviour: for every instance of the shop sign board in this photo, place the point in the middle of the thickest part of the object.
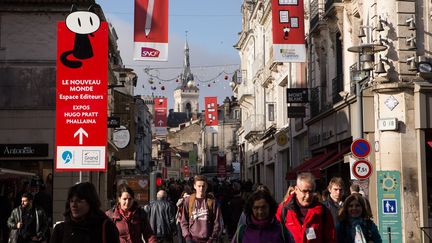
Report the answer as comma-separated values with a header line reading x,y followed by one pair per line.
x,y
24,150
81,93
296,111
297,95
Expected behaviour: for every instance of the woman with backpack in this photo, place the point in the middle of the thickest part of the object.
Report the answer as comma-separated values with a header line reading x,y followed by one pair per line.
x,y
355,224
261,224
130,219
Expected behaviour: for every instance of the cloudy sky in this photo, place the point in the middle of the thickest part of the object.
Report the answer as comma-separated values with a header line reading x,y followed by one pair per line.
x,y
212,30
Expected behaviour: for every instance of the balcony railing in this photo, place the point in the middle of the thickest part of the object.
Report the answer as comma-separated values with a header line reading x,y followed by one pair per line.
x,y
254,124
314,102
337,86
245,90
316,12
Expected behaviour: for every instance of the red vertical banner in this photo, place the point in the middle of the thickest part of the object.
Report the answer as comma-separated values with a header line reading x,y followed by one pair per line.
x,y
288,31
160,118
151,30
211,111
81,95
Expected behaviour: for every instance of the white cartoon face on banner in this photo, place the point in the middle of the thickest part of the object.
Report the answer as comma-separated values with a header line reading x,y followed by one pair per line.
x,y
82,22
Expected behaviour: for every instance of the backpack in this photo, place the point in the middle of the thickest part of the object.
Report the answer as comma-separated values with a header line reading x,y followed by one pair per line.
x,y
210,204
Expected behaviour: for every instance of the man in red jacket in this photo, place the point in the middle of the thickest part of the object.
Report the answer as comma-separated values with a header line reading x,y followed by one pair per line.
x,y
304,216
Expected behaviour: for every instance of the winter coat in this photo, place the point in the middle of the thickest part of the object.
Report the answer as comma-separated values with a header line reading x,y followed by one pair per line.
x,y
131,229
262,232
162,218
318,218
41,221
346,230
201,226
334,209
88,230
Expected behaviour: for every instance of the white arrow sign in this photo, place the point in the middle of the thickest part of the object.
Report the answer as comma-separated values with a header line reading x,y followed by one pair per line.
x,y
81,132
160,122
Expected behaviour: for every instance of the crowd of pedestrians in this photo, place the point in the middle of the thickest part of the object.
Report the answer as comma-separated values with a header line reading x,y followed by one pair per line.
x,y
201,211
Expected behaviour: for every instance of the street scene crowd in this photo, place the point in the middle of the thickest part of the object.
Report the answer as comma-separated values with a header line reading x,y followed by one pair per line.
x,y
195,211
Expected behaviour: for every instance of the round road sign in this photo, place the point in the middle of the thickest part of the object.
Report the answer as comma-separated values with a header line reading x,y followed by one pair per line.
x,y
360,148
362,169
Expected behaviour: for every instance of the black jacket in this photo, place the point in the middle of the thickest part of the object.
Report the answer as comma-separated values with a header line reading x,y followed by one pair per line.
x,y
162,218
41,221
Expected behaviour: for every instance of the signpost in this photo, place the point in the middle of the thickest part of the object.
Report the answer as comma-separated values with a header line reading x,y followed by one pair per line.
x,y
362,169
81,97
360,148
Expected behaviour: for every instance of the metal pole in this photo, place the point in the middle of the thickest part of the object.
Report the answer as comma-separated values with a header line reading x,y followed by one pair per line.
x,y
389,234
359,95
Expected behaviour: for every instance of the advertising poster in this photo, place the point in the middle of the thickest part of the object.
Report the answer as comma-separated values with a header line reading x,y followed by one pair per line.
x,y
211,111
288,31
81,93
160,119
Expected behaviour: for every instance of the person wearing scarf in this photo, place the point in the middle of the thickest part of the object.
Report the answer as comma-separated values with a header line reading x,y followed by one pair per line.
x,y
261,225
355,225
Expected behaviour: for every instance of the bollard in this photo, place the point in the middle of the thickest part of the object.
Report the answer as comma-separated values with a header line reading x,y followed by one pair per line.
x,y
389,234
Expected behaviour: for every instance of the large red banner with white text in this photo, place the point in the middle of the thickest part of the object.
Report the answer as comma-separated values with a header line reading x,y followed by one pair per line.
x,y
288,31
160,115
81,99
211,111
151,30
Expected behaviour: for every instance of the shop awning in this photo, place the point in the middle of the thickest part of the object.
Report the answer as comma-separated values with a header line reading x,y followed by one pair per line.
x,y
335,158
15,172
308,166
429,143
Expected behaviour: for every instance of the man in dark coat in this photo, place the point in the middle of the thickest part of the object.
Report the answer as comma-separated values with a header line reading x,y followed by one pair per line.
x,y
162,218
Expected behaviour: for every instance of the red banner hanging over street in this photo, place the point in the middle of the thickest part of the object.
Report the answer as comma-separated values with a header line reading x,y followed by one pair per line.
x,y
288,31
211,111
151,30
81,96
160,119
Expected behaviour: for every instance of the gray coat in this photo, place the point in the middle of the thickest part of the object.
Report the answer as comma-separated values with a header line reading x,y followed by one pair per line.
x,y
16,216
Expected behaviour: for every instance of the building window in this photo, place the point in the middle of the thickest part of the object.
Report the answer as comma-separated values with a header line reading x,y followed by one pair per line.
x,y
214,139
237,114
271,114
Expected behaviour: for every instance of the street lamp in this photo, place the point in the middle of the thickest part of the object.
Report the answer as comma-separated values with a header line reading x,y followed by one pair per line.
x,y
366,56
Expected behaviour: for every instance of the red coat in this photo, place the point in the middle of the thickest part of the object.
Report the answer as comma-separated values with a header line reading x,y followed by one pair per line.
x,y
322,224
130,230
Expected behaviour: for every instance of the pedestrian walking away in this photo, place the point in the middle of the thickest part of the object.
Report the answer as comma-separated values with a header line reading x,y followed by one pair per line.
x,y
355,225
84,222
130,219
261,225
304,216
201,215
162,218
28,224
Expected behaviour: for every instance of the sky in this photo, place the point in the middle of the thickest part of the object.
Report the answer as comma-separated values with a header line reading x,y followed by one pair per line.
x,y
212,30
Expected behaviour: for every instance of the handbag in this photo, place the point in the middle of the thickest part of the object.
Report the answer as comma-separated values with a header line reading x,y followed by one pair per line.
x,y
13,236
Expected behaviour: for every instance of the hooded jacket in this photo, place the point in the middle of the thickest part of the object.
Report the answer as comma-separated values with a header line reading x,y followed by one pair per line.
x,y
318,219
132,229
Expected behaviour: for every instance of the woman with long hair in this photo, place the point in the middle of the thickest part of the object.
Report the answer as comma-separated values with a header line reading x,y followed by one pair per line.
x,y
261,224
355,224
130,219
84,222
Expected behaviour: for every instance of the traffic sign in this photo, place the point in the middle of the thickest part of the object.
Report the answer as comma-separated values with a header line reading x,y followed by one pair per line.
x,y
81,94
389,206
360,148
362,169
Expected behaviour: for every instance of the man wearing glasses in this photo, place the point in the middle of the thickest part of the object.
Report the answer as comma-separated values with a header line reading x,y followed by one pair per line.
x,y
304,216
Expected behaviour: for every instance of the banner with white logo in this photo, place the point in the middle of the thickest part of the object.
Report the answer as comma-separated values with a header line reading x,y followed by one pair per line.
x,y
151,30
211,111
160,116
288,31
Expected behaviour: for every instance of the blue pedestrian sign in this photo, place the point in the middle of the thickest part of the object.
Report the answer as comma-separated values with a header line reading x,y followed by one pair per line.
x,y
389,206
360,148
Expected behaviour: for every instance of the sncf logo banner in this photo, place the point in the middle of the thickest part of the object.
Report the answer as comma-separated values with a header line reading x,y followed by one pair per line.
x,y
211,111
81,92
288,31
151,30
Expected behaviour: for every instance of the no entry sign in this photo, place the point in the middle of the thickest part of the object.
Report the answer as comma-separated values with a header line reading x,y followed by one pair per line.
x,y
360,148
81,95
362,169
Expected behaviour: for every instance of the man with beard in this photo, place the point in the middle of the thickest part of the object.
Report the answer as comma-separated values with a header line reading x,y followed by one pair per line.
x,y
27,223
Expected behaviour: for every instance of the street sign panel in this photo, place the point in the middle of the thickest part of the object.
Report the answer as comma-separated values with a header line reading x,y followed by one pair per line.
x,y
81,96
296,111
389,206
360,148
362,169
297,95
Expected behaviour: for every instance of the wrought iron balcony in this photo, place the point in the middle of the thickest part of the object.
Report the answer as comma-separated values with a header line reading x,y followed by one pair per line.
x,y
329,4
316,12
253,126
